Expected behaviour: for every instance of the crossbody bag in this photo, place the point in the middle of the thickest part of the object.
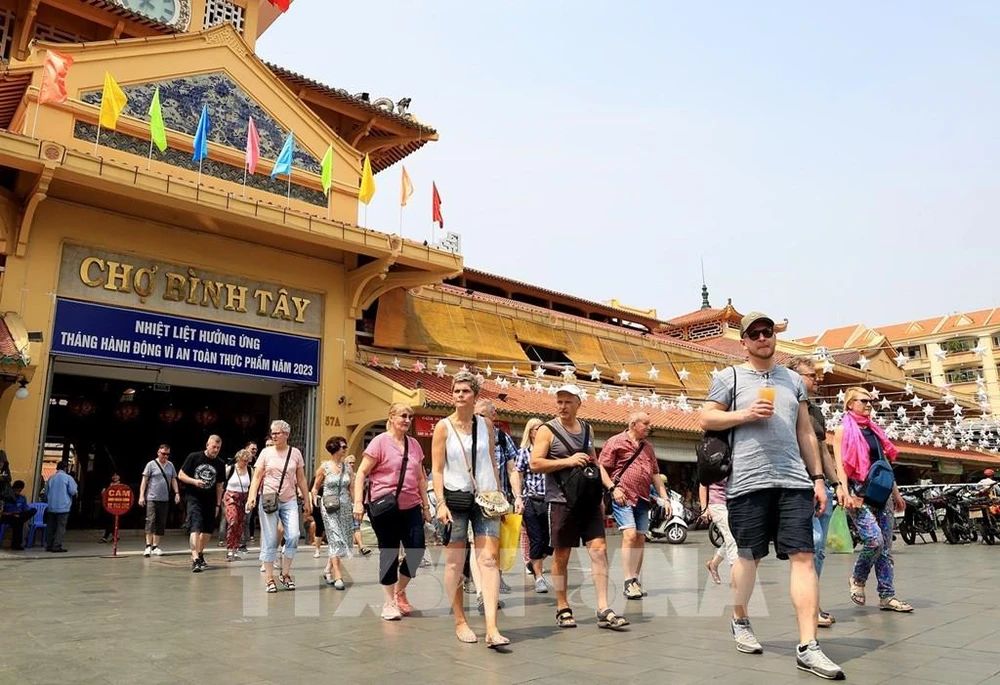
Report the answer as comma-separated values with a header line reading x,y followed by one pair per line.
x,y
492,502
269,501
608,500
331,503
715,451
580,485
165,479
390,502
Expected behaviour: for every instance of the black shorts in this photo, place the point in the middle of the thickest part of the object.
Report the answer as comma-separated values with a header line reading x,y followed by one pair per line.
x,y
536,526
156,517
202,515
778,515
567,529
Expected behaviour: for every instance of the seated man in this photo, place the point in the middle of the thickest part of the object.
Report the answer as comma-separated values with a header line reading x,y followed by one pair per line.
x,y
16,514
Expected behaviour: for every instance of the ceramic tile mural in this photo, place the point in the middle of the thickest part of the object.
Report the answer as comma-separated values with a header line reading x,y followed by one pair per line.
x,y
182,159
229,107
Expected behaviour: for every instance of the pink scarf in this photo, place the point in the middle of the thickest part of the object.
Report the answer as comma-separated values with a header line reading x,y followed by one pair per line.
x,y
854,448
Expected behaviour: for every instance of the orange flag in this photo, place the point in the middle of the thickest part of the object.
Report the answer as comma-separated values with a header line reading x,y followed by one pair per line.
x,y
436,206
53,88
406,190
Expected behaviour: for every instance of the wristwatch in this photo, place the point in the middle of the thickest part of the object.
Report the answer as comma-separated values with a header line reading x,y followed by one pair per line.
x,y
818,476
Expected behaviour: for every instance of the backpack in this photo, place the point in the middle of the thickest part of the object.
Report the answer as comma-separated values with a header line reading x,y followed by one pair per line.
x,y
715,451
877,488
581,485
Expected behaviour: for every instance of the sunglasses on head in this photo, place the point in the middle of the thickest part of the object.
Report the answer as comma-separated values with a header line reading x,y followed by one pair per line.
x,y
767,332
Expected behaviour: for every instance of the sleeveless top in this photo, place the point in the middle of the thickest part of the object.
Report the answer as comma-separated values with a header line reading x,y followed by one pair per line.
x,y
337,482
238,482
456,468
554,493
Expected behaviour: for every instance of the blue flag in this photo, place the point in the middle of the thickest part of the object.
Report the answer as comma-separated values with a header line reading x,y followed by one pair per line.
x,y
201,136
283,165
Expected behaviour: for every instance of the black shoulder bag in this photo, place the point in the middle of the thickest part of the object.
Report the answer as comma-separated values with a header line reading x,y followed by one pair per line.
x,y
715,451
581,485
390,502
269,500
458,500
608,500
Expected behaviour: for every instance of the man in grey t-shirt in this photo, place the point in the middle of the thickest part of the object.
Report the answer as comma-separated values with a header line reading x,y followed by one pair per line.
x,y
775,485
159,478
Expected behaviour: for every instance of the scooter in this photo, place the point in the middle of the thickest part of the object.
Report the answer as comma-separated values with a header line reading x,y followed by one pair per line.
x,y
919,517
674,528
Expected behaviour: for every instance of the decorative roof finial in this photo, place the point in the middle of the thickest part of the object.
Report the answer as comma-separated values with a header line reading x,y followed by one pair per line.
x,y
705,304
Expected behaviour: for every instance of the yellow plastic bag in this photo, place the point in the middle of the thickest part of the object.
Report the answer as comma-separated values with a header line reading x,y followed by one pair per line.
x,y
510,541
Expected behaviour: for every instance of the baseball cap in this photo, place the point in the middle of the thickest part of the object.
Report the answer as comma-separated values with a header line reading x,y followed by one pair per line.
x,y
572,389
752,318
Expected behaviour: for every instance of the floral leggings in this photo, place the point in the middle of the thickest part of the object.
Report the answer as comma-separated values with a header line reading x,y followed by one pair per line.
x,y
875,528
234,503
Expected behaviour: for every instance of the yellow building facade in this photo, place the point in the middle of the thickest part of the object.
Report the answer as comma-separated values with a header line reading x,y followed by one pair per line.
x,y
165,302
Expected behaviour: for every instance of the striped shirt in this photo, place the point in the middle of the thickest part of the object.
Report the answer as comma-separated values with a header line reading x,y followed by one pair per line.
x,y
635,480
534,483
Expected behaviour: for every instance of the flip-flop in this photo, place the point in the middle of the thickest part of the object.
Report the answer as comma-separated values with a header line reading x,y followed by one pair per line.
x,y
497,642
714,572
466,635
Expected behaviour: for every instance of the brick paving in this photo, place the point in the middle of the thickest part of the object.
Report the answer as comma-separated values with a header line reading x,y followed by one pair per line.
x,y
87,619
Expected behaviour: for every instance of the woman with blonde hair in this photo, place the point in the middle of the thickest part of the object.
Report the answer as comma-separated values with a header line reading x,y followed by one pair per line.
x,y
462,465
536,515
868,492
234,501
397,506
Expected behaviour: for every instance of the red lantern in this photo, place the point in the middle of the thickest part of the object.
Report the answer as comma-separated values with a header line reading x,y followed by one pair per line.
x,y
126,412
171,415
81,407
206,417
244,421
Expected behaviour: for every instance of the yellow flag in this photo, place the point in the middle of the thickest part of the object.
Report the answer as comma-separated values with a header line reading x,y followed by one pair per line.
x,y
367,182
113,101
407,189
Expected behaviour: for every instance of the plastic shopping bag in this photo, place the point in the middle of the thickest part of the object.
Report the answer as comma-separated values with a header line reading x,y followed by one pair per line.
x,y
838,540
510,541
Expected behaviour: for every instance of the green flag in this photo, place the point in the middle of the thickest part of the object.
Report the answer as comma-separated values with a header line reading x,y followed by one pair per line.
x,y
328,170
157,133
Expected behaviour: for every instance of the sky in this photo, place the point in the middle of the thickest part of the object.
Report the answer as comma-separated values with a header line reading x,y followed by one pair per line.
x,y
831,163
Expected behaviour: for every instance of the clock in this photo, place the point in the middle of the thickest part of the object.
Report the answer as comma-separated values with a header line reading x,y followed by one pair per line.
x,y
176,13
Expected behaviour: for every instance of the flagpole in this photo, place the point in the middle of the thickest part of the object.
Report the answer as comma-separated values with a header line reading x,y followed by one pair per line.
x,y
400,221
288,197
98,141
35,124
246,167
329,203
149,161
200,162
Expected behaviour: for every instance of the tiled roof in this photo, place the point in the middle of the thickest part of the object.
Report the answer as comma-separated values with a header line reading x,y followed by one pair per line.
x,y
734,348
943,453
8,351
525,404
698,316
839,338
125,13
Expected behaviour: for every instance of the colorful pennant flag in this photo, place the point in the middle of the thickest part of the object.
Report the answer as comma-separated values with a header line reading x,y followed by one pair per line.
x,y
201,136
157,131
53,88
283,165
436,206
253,147
113,101
328,170
282,5
367,190
406,189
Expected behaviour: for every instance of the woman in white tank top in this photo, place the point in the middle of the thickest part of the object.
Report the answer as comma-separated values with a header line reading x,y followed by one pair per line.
x,y
234,501
461,441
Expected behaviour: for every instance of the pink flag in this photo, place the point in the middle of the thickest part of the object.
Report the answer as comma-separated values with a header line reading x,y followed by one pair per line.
x,y
253,147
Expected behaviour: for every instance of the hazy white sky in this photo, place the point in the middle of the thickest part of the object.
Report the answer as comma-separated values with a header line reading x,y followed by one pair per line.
x,y
833,164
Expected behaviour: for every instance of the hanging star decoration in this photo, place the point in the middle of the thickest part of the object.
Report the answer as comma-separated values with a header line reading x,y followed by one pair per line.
x,y
439,369
825,408
874,393
503,383
595,374
489,371
395,362
864,362
916,401
908,389
653,373
901,360
569,374
929,410
653,397
480,378
537,387
603,395
539,371
513,372
949,398
979,350
683,374
715,372
584,394
623,376
419,366
464,369
552,389
956,410
827,366
940,354
885,404
374,360
841,396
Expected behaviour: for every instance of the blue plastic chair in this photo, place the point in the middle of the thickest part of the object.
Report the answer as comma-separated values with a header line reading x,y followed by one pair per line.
x,y
36,523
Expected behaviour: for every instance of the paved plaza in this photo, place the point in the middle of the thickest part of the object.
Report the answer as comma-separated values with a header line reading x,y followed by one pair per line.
x,y
86,619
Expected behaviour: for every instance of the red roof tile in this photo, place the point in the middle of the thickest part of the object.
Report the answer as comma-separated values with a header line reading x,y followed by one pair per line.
x,y
8,351
524,403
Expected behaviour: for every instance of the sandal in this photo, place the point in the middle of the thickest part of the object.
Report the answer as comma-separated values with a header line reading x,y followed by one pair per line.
x,y
328,578
365,551
857,592
466,635
287,582
564,618
497,642
271,587
338,584
894,604
609,619
713,571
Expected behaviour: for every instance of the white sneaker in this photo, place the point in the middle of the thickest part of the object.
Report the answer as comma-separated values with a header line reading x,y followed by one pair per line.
x,y
157,551
390,612
149,550
316,554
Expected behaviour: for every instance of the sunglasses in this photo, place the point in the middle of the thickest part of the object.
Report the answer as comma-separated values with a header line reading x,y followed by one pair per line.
x,y
758,332
864,400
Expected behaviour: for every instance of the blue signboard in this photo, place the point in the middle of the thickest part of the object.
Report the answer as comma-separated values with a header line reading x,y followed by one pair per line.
x,y
85,329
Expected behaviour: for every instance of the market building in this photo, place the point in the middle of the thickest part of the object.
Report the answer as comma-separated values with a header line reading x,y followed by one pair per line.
x,y
151,299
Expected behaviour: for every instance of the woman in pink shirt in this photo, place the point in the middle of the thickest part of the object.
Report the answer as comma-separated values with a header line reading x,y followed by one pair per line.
x,y
279,469
397,506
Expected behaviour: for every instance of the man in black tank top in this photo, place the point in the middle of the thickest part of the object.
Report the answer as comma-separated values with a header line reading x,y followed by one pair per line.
x,y
562,446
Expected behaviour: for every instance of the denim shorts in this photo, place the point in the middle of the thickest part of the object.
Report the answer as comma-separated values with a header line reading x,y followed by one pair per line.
x,y
481,526
632,517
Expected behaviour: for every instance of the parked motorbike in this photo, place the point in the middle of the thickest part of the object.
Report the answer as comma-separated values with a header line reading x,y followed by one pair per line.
x,y
919,517
956,523
673,528
985,515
